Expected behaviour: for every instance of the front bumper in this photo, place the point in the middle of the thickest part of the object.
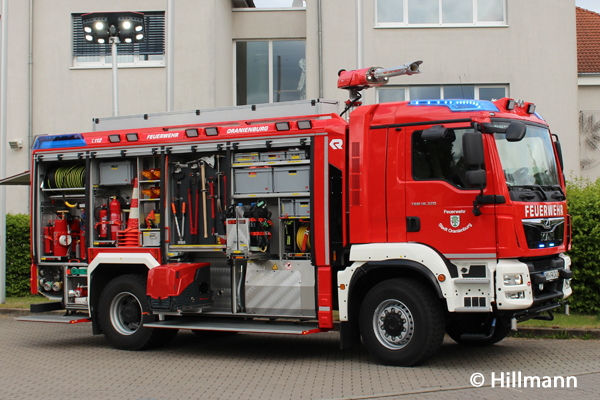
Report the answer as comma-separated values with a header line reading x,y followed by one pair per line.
x,y
545,282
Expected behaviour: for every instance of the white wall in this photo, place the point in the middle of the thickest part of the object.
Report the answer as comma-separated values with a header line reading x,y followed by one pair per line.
x,y
535,55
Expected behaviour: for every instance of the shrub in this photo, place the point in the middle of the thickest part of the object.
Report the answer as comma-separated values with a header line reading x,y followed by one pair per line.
x,y
583,199
18,256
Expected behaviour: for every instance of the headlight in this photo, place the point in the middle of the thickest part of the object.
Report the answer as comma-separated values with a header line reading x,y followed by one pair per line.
x,y
513,279
515,295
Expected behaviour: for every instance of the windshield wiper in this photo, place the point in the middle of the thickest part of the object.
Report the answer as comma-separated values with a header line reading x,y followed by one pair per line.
x,y
556,196
535,188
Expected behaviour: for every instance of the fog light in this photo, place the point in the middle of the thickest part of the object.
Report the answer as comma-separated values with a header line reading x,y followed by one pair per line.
x,y
515,295
513,279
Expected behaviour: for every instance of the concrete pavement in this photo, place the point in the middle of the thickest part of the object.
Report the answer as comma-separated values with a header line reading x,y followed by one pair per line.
x,y
66,361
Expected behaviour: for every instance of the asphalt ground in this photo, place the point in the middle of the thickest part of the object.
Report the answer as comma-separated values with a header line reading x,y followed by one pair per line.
x,y
58,361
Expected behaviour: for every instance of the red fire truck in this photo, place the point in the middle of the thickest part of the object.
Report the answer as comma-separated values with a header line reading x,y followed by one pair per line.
x,y
411,219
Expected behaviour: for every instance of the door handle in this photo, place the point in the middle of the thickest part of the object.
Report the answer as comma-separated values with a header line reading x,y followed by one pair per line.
x,y
413,224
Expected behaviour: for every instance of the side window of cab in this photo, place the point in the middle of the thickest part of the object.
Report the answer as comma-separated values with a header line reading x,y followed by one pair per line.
x,y
440,159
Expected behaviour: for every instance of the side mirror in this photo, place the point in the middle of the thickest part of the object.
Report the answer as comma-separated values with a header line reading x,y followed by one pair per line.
x,y
476,178
558,150
473,154
515,131
434,133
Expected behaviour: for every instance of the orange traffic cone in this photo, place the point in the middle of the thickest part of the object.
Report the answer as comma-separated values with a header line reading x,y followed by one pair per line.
x,y
130,237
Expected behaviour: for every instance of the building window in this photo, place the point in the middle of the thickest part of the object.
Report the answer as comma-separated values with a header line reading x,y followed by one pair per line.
x,y
269,3
479,92
270,71
440,159
150,52
414,13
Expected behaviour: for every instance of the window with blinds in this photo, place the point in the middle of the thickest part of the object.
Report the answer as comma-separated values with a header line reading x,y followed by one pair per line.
x,y
150,52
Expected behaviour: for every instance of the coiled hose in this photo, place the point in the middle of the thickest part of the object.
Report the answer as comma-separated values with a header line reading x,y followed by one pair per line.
x,y
302,231
66,177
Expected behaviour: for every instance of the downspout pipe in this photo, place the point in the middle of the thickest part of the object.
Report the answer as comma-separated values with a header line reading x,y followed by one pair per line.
x,y
30,81
3,145
170,54
360,35
320,38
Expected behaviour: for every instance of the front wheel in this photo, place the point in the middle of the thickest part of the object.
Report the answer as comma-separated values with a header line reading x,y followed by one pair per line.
x,y
123,309
401,322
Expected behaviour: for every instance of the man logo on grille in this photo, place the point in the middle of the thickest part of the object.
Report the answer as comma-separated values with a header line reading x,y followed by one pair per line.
x,y
455,221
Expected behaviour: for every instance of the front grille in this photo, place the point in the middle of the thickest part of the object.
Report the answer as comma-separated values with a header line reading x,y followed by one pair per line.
x,y
544,232
548,291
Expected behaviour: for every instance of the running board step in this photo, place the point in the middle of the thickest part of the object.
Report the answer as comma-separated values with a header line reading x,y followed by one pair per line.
x,y
237,325
59,319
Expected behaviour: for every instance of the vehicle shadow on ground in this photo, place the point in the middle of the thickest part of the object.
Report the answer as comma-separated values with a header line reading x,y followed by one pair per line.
x,y
322,347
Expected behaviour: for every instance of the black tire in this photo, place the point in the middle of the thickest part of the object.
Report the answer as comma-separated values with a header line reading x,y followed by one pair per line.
x,y
477,324
402,322
121,311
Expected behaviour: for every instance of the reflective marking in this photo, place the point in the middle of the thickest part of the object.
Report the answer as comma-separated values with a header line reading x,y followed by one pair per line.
x,y
324,308
326,201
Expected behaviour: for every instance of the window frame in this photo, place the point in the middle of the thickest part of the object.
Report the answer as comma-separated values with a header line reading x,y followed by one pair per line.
x,y
440,24
406,88
270,63
102,62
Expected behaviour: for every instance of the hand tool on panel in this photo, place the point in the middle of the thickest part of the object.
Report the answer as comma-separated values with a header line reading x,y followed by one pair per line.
x,y
203,178
182,222
211,183
219,173
176,220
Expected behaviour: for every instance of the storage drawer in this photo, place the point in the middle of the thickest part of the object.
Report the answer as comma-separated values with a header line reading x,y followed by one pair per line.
x,y
302,207
246,157
151,238
287,208
295,155
272,156
295,208
291,179
253,180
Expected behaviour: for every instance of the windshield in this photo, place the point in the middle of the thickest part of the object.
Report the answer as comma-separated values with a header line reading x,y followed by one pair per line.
x,y
530,161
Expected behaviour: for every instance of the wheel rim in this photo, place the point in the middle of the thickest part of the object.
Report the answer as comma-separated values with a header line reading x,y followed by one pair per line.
x,y
126,313
393,324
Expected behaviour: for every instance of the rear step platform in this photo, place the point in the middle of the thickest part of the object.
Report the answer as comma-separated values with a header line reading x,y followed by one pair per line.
x,y
59,319
237,325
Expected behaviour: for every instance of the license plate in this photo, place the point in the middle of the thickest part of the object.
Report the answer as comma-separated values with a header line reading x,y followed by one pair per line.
x,y
551,275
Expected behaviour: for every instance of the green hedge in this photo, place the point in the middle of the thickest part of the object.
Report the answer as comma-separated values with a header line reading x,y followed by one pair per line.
x,y
18,257
583,199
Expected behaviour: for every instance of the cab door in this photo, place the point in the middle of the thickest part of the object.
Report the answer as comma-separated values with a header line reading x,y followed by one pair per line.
x,y
439,204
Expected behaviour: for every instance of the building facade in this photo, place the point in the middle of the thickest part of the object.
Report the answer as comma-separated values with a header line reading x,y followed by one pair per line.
x,y
588,68
228,52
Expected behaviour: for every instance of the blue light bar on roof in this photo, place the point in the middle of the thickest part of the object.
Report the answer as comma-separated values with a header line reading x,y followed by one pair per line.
x,y
458,105
539,116
59,141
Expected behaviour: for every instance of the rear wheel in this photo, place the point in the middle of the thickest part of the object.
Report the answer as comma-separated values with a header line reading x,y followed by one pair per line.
x,y
477,324
123,309
401,322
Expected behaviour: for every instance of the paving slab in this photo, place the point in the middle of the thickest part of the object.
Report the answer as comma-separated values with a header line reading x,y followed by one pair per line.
x,y
40,360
